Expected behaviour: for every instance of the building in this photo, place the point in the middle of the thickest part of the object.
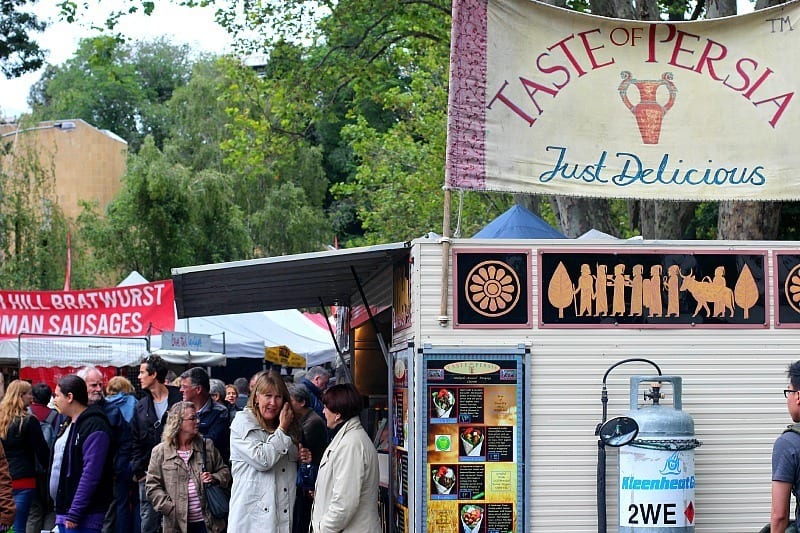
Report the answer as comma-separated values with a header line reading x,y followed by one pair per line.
x,y
88,163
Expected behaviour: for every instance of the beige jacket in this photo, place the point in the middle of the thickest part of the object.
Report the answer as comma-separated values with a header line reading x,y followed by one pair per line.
x,y
168,484
346,493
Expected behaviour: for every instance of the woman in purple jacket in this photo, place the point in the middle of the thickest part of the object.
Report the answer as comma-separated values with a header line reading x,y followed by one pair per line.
x,y
85,478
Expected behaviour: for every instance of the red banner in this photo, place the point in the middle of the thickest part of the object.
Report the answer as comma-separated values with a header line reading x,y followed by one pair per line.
x,y
52,374
118,311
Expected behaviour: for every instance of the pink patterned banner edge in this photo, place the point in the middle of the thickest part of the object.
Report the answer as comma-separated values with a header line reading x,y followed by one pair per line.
x,y
465,167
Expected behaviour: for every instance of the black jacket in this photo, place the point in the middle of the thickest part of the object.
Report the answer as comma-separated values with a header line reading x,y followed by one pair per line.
x,y
215,425
146,429
24,447
87,459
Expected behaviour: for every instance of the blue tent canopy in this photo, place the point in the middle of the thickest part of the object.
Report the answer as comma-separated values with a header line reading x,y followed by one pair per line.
x,y
518,223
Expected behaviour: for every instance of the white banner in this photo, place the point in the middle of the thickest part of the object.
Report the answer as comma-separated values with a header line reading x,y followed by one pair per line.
x,y
547,100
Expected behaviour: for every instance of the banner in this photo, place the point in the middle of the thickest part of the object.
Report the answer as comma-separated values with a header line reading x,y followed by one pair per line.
x,y
119,311
546,100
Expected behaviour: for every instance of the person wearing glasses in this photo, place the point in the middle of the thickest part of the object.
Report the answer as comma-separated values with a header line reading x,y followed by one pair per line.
x,y
177,475
786,460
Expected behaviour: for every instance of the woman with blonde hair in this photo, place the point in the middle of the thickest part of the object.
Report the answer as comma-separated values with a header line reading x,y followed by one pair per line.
x,y
178,474
264,438
120,392
24,443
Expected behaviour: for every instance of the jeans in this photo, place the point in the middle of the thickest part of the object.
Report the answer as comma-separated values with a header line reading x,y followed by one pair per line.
x,y
22,500
151,520
119,518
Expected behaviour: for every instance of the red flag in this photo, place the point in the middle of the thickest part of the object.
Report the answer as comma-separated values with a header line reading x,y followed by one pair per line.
x,y
68,273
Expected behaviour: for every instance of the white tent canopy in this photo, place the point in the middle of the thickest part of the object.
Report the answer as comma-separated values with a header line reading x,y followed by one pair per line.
x,y
246,335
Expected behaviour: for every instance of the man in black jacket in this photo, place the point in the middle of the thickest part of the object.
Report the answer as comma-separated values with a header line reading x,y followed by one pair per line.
x,y
147,425
214,420
118,519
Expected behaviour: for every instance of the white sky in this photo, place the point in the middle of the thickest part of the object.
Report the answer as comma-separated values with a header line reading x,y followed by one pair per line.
x,y
181,25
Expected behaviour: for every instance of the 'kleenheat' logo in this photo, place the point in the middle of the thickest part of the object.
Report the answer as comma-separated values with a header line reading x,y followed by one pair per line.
x,y
672,466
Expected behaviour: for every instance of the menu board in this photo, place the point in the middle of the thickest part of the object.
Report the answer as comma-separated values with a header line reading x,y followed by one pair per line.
x,y
399,431
474,454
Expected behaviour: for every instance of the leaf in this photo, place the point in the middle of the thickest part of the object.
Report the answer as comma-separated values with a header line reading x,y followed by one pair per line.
x,y
560,289
746,291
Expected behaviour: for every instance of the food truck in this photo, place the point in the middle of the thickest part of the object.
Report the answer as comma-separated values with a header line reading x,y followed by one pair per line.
x,y
490,356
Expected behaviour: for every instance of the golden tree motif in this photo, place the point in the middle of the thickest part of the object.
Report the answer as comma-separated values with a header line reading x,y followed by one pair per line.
x,y
492,288
746,291
560,291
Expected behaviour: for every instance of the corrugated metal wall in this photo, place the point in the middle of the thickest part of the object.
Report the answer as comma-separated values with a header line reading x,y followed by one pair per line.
x,y
732,386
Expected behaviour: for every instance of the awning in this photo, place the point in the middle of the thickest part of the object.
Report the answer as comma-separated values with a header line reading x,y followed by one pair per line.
x,y
284,282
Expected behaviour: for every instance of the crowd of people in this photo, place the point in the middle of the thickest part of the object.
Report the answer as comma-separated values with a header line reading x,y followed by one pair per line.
x,y
91,457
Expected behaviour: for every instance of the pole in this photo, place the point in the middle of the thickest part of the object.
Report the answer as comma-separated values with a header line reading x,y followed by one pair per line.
x,y
445,240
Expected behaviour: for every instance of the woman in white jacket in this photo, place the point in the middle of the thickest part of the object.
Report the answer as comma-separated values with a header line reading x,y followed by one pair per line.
x,y
346,493
264,441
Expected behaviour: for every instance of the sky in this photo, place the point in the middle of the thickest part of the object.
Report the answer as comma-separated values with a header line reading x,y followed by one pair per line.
x,y
182,25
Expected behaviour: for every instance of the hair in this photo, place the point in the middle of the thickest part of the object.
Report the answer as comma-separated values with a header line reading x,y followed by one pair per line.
x,y
343,399
199,378
172,428
217,386
315,372
794,374
12,407
300,393
84,372
157,366
271,382
119,384
242,385
42,393
74,385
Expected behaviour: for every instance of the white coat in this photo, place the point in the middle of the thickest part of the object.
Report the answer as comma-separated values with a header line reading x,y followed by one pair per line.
x,y
264,469
346,493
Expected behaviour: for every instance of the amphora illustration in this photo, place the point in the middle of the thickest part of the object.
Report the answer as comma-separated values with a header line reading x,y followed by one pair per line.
x,y
649,112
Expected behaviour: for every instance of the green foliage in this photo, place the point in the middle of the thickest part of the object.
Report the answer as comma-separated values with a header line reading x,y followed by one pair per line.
x,y
115,86
19,53
33,230
165,217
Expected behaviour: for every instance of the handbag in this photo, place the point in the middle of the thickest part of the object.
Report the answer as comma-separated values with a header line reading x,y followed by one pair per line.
x,y
217,498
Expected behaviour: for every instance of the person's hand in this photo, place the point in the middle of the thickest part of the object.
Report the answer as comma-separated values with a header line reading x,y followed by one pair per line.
x,y
206,477
285,418
71,525
304,455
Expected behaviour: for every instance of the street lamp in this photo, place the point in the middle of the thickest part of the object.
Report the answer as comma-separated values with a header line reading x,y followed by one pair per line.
x,y
67,125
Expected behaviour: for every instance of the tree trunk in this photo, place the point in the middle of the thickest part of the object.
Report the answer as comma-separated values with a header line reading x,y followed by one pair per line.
x,y
746,220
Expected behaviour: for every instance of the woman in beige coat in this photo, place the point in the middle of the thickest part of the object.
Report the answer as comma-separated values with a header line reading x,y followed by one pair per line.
x,y
346,493
176,479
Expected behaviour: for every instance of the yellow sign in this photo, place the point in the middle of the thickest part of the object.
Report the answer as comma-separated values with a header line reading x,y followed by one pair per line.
x,y
281,355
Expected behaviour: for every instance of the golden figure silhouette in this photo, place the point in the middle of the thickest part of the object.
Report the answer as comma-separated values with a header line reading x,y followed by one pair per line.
x,y
636,291
600,294
586,290
619,281
653,292
673,291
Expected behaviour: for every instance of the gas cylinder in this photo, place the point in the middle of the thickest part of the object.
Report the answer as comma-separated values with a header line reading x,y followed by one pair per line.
x,y
656,470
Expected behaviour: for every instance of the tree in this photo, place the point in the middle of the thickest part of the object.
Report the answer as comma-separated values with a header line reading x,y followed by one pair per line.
x,y
165,217
18,52
115,86
32,228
